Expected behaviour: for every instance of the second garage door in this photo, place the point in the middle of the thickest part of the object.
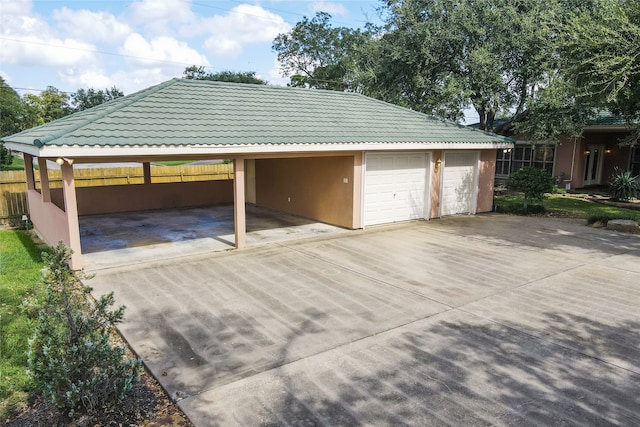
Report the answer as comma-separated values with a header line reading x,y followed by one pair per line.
x,y
459,182
394,187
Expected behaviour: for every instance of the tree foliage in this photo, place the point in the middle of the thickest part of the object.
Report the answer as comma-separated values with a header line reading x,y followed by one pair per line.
x,y
11,112
534,183
441,56
198,73
544,65
72,358
20,113
83,99
317,55
49,105
600,52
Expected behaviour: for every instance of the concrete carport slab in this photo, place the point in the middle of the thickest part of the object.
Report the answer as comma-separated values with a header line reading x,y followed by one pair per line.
x,y
118,239
485,320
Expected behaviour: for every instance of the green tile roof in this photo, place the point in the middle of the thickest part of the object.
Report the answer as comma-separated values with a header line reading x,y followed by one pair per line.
x,y
606,117
191,112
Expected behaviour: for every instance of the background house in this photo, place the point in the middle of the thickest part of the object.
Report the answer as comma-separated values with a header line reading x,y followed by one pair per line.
x,y
576,162
340,158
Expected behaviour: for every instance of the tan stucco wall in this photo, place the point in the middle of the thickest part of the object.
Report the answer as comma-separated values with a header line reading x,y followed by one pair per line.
x,y
49,220
129,198
564,154
312,187
618,156
436,182
485,180
250,180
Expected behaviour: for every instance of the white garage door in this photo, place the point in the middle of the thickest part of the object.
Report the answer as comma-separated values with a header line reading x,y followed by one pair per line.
x,y
394,187
459,179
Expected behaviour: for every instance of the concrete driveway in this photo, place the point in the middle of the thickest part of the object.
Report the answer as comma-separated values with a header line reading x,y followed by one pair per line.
x,y
475,320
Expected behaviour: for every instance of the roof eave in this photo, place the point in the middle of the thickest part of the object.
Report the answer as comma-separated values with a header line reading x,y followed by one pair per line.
x,y
245,149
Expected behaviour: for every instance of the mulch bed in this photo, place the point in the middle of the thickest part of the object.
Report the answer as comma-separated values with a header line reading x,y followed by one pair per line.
x,y
146,405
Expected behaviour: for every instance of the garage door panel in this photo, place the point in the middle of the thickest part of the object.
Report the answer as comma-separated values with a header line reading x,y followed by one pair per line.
x,y
459,182
394,187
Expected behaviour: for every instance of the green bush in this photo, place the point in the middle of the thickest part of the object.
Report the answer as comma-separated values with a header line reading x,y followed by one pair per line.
x,y
623,185
72,359
603,219
5,156
519,209
534,183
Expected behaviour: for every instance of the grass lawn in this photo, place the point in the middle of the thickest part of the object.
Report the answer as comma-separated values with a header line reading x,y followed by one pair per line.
x,y
574,207
20,265
16,165
172,163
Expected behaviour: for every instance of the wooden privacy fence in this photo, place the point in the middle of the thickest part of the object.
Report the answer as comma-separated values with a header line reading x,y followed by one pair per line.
x,y
13,187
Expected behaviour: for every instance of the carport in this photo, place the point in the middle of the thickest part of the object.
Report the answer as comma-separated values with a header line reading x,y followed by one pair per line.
x,y
301,152
129,238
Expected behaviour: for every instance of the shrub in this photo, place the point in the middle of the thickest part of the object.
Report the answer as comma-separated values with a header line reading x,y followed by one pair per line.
x,y
533,183
602,219
5,156
72,359
623,185
520,209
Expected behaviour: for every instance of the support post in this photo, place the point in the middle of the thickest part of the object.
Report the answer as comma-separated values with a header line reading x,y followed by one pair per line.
x,y
44,180
239,218
357,190
71,212
146,171
28,169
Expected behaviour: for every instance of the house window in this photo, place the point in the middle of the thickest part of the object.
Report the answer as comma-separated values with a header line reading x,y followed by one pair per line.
x,y
543,157
521,157
524,156
503,162
635,161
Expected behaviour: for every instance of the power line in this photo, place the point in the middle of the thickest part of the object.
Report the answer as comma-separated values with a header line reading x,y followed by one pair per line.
x,y
101,52
96,51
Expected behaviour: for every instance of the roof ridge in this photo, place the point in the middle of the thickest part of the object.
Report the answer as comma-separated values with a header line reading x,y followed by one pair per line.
x,y
108,108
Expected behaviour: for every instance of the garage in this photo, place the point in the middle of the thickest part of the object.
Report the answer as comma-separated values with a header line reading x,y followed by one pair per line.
x,y
459,182
394,187
337,158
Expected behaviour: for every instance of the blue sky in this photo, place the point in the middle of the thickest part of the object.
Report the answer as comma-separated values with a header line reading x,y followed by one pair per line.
x,y
135,44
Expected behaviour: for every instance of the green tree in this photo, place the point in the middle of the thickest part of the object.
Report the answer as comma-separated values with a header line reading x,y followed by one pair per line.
x,y
198,73
72,358
11,112
600,57
441,56
50,105
83,99
317,55
534,183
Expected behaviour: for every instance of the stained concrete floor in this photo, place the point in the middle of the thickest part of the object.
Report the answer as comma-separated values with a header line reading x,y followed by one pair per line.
x,y
114,240
474,320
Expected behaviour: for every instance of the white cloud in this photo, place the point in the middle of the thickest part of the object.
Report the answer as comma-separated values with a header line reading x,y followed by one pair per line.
x,y
244,24
329,7
88,25
28,40
79,78
274,75
161,49
162,17
134,80
16,7
32,51
127,80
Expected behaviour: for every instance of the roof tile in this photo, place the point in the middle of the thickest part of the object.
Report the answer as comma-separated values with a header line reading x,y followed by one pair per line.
x,y
214,113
